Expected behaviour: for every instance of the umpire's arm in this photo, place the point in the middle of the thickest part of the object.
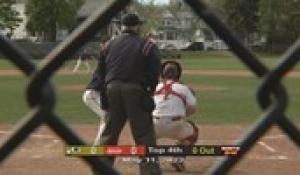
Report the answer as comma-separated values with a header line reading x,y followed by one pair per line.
x,y
152,68
101,70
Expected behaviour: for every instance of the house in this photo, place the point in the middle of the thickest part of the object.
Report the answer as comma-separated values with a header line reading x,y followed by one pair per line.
x,y
175,29
20,32
180,28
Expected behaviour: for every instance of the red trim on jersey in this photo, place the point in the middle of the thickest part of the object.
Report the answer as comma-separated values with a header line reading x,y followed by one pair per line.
x,y
147,47
104,49
166,90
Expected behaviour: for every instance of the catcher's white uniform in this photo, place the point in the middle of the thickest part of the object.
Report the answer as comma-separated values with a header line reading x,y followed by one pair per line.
x,y
174,102
91,99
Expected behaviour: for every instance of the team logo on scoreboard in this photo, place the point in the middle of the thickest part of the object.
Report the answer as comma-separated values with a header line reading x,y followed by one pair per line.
x,y
230,150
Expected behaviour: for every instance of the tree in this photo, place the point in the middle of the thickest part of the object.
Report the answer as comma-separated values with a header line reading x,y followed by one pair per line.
x,y
241,16
151,12
279,22
9,17
46,17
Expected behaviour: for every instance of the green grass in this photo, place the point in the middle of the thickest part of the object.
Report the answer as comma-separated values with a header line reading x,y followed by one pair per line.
x,y
235,104
198,60
223,60
13,102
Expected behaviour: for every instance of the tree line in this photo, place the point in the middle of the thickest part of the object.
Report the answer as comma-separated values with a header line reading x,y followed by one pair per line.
x,y
277,22
44,17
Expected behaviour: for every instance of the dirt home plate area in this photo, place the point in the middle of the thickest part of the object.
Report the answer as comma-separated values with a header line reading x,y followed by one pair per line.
x,y
43,153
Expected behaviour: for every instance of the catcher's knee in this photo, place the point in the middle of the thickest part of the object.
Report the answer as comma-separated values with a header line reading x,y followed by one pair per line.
x,y
192,139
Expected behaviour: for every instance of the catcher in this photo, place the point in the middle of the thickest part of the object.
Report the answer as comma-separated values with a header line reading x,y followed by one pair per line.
x,y
174,102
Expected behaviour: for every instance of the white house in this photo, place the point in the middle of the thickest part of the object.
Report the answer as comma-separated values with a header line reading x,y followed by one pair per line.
x,y
181,27
20,32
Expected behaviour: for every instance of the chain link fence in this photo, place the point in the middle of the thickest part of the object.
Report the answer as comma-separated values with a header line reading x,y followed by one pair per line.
x,y
271,95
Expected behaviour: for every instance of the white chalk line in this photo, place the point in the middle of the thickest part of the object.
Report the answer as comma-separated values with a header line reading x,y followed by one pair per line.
x,y
278,157
267,147
38,136
278,136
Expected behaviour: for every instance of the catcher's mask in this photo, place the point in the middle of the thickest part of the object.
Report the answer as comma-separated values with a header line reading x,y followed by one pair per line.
x,y
171,70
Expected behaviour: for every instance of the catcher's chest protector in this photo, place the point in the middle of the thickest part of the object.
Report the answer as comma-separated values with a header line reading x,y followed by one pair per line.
x,y
166,90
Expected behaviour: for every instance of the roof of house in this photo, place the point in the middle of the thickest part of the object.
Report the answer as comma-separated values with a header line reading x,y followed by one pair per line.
x,y
182,15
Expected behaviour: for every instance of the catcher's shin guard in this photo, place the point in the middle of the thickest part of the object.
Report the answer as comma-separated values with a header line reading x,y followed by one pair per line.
x,y
192,139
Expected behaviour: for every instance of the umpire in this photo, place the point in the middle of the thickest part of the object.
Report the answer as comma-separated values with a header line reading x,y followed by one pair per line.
x,y
130,67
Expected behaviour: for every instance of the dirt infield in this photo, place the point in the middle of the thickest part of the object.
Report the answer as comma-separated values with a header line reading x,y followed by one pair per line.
x,y
210,72
43,153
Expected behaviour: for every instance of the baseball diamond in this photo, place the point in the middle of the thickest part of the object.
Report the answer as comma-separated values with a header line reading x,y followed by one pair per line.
x,y
229,95
215,94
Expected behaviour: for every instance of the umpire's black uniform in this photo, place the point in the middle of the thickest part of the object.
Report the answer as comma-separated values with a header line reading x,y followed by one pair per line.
x,y
130,68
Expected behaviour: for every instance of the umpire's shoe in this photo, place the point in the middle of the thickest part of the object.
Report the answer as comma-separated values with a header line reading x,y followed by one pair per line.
x,y
149,168
179,166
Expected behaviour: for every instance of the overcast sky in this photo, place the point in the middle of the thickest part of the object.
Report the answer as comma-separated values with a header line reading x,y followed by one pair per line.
x,y
158,1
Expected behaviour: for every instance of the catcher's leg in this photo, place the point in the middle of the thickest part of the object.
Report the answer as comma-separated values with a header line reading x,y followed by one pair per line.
x,y
189,139
192,138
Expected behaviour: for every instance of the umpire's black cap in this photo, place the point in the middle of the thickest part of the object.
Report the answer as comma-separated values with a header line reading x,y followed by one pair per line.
x,y
131,20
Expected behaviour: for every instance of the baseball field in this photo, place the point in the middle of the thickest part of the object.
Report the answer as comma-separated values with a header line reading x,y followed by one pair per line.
x,y
227,107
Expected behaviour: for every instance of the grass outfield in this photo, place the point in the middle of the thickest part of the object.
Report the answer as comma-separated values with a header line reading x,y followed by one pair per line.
x,y
203,60
234,103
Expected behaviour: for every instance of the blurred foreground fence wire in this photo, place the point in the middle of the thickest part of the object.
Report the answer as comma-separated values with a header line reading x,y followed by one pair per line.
x,y
271,95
